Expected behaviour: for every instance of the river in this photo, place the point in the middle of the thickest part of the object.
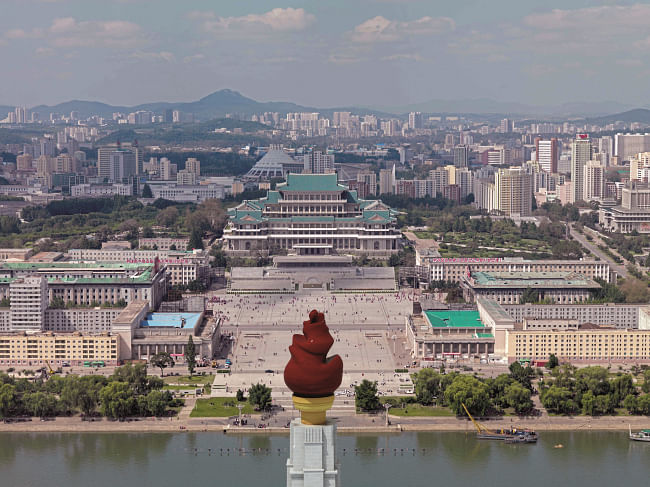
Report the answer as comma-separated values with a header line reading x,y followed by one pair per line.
x,y
589,459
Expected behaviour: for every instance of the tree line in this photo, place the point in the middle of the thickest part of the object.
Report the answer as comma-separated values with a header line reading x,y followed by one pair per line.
x,y
128,392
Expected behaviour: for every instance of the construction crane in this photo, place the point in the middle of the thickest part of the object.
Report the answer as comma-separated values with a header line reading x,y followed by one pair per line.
x,y
480,429
50,370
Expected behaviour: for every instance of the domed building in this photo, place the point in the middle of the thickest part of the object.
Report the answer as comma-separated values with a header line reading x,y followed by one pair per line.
x,y
275,164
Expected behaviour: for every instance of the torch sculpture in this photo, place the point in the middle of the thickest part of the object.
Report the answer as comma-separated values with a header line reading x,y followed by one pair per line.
x,y
313,377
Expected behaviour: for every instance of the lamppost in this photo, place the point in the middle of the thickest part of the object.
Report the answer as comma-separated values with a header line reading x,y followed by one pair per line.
x,y
387,407
240,406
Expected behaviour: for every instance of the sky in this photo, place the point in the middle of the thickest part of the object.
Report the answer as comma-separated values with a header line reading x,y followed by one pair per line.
x,y
325,53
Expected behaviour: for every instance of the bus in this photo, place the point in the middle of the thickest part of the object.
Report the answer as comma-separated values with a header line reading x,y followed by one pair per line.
x,y
98,363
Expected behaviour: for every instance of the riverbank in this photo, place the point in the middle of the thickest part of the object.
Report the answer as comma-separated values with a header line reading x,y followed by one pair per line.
x,y
153,425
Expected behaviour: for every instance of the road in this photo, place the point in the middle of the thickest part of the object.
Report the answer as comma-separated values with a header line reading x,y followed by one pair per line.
x,y
620,270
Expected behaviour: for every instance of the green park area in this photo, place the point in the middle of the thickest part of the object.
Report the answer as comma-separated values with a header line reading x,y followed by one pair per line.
x,y
402,408
219,407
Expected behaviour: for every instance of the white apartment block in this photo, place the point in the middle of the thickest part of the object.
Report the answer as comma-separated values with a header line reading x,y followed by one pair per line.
x,y
29,300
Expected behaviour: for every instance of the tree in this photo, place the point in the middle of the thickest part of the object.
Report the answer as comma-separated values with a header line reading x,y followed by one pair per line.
x,y
427,386
162,360
117,400
366,397
190,355
645,387
146,191
620,387
157,402
40,404
8,399
196,240
167,217
240,396
523,375
631,404
470,391
552,362
260,396
518,397
393,260
559,400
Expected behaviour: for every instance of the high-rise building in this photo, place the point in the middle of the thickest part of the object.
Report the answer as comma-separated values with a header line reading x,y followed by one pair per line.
x,y
185,178
29,299
116,164
581,153
594,184
193,165
415,120
513,192
44,166
506,126
167,169
386,181
547,154
370,178
440,178
65,163
317,162
638,162
461,156
24,162
627,145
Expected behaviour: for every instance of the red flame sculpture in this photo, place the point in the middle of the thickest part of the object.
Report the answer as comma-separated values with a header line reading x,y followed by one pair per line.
x,y
310,373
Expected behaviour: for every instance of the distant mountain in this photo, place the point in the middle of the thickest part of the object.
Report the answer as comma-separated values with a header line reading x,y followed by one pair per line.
x,y
483,106
641,115
4,110
222,102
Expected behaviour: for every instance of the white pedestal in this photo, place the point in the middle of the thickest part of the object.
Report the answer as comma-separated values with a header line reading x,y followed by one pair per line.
x,y
312,456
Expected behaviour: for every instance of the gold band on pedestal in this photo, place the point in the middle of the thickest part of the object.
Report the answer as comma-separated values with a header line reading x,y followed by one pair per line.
x,y
313,409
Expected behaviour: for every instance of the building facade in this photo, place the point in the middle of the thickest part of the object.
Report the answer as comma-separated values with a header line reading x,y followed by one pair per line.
x,y
312,214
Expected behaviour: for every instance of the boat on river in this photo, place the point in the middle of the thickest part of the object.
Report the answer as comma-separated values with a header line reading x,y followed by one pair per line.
x,y
508,435
643,435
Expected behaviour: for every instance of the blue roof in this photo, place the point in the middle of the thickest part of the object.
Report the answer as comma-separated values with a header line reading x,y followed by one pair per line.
x,y
171,320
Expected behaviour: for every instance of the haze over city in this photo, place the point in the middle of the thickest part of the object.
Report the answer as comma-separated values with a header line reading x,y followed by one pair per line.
x,y
321,243
380,53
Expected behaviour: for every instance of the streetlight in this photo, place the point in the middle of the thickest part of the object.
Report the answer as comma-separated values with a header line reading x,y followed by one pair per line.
x,y
387,407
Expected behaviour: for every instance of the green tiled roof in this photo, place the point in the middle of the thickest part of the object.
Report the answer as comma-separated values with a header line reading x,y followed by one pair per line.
x,y
532,279
485,335
272,197
311,182
454,319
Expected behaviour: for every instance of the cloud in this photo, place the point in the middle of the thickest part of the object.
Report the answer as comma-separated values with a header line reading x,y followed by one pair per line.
x,y
154,56
120,34
403,57
44,51
275,20
380,29
193,57
608,17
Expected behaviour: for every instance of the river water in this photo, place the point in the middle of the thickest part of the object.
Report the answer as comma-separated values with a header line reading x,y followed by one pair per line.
x,y
590,459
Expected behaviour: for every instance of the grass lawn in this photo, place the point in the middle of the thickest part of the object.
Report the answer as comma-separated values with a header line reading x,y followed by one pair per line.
x,y
415,409
189,381
419,410
426,235
214,407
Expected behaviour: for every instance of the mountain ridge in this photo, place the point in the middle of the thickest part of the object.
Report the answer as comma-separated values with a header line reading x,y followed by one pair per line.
x,y
222,102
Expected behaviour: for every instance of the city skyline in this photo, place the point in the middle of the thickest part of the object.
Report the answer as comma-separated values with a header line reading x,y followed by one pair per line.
x,y
379,53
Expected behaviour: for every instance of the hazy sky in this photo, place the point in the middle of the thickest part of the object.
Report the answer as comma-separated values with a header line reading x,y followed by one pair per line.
x,y
324,52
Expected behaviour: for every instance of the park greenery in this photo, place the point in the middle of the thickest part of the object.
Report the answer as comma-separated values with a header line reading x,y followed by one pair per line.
x,y
259,396
128,392
88,222
594,391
